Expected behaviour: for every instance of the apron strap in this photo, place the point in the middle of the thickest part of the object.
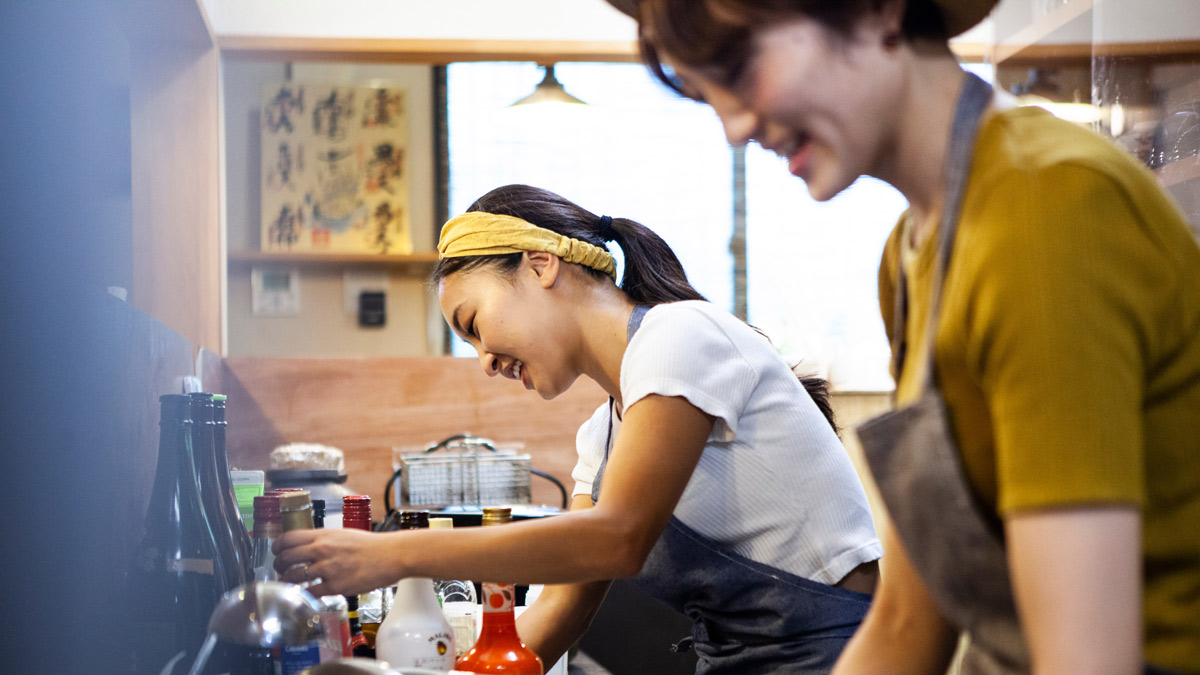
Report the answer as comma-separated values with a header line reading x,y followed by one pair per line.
x,y
972,102
635,322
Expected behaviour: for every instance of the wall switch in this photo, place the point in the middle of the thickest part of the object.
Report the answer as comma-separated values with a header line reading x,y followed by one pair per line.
x,y
372,308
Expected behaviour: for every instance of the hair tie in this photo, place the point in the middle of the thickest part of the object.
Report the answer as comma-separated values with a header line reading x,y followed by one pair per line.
x,y
607,233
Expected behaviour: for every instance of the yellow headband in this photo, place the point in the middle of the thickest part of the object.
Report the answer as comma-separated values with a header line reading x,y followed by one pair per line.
x,y
481,233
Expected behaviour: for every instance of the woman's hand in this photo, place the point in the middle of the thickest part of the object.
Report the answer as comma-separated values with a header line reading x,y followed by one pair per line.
x,y
344,561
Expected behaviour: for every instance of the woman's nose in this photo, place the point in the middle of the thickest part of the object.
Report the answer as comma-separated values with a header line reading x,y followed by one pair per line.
x,y
739,125
489,362
739,121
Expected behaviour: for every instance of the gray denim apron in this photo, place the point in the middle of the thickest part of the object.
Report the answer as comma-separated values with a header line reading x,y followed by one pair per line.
x,y
749,618
955,546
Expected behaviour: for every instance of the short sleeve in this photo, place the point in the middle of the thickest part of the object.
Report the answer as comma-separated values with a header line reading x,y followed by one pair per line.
x,y
1059,328
589,446
683,350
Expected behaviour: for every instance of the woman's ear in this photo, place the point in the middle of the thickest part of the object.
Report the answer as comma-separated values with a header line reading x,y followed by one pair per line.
x,y
545,267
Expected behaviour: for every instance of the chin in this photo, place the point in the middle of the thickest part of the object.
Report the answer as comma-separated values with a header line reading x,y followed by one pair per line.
x,y
824,188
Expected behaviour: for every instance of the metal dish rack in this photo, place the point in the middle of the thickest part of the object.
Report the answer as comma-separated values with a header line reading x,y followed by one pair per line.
x,y
471,471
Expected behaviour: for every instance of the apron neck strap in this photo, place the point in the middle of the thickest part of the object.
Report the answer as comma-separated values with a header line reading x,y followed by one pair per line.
x,y
972,102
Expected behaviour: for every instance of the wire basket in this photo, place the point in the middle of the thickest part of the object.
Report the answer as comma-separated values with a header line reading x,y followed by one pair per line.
x,y
470,472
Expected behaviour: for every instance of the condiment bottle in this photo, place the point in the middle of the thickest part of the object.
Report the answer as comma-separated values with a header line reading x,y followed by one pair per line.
x,y
415,634
499,649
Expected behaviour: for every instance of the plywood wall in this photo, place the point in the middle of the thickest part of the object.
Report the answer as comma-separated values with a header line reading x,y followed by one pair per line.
x,y
368,406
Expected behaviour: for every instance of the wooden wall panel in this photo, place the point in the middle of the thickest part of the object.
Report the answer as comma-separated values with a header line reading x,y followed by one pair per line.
x,y
175,112
143,359
368,406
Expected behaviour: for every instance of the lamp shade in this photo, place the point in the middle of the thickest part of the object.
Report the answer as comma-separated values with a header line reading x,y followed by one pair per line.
x,y
549,90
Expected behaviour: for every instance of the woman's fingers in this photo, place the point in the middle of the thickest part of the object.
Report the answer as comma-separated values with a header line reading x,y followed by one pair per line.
x,y
292,539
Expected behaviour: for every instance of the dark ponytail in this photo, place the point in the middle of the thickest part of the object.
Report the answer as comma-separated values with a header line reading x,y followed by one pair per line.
x,y
653,275
818,390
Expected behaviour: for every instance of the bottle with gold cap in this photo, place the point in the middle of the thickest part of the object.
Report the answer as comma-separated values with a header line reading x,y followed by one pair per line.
x,y
415,634
295,513
499,649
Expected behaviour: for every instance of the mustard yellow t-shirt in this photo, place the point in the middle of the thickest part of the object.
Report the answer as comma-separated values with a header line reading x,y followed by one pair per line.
x,y
1068,350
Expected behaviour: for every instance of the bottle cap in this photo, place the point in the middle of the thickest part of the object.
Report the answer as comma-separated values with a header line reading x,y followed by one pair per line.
x,y
441,523
496,515
356,512
174,409
266,509
294,501
202,406
219,398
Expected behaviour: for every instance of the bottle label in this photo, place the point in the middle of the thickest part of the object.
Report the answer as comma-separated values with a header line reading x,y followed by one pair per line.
x,y
461,617
498,597
295,660
197,565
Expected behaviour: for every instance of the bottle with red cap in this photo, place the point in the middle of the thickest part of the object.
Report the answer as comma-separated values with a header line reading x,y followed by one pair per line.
x,y
356,515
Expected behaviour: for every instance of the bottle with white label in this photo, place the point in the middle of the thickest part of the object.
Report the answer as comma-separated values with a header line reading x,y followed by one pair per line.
x,y
415,633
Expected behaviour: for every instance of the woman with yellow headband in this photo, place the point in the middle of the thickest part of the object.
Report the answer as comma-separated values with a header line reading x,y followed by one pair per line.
x,y
711,476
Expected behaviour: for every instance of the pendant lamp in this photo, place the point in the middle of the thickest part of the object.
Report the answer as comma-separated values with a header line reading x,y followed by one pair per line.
x,y
549,90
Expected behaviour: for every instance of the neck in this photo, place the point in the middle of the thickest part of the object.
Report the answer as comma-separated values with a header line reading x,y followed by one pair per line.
x,y
603,322
916,165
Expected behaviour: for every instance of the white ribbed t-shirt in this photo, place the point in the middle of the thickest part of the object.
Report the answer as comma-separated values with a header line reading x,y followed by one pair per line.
x,y
774,483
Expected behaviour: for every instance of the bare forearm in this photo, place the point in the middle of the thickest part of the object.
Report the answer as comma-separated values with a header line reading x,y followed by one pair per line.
x,y
885,646
904,632
569,548
559,617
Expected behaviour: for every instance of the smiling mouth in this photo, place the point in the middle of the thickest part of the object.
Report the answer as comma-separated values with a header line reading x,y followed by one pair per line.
x,y
518,373
796,152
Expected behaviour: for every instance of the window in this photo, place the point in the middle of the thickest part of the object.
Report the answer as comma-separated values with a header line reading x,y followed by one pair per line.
x,y
639,151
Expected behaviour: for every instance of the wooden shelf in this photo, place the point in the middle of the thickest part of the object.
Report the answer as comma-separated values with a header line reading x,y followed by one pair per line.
x,y
1027,43
430,52
1179,172
1035,44
415,264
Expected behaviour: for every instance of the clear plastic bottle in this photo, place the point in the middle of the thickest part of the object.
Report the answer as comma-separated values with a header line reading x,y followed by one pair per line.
x,y
415,634
458,600
267,528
